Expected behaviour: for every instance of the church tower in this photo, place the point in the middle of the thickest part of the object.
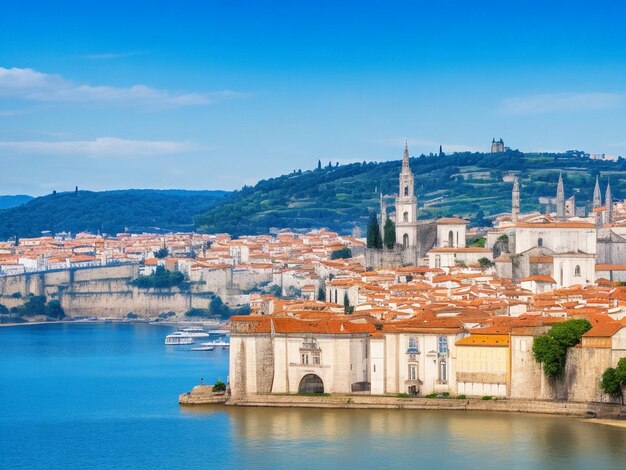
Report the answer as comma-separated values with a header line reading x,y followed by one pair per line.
x,y
515,201
608,201
560,199
406,205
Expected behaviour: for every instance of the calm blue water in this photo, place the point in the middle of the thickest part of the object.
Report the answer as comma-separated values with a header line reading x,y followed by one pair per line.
x,y
105,396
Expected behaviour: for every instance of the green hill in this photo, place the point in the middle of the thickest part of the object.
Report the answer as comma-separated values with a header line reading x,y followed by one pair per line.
x,y
463,184
108,212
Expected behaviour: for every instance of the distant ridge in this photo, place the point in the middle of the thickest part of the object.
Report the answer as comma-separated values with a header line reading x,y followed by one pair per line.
x,y
111,212
8,201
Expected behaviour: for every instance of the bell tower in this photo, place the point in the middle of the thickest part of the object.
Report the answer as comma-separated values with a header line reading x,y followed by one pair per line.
x,y
406,205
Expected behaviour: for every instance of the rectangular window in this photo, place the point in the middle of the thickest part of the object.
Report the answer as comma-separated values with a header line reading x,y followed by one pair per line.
x,y
443,345
304,358
412,372
443,371
316,359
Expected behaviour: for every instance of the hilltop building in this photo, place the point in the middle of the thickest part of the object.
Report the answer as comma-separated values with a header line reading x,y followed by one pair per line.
x,y
497,146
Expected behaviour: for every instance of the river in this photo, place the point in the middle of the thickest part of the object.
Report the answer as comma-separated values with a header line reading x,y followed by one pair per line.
x,y
105,396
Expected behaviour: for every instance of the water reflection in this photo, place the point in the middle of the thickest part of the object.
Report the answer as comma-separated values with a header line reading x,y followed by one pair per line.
x,y
319,437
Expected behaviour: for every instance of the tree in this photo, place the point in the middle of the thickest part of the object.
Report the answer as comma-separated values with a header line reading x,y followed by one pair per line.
x,y
373,233
390,234
485,263
3,310
54,310
321,295
319,164
344,253
613,380
161,279
550,349
346,303
217,307
478,242
162,253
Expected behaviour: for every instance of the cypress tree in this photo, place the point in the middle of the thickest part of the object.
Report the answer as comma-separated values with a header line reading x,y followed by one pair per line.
x,y
390,234
373,233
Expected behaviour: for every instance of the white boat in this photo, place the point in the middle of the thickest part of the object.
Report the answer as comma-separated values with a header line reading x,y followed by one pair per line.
x,y
177,338
219,332
202,348
194,332
222,344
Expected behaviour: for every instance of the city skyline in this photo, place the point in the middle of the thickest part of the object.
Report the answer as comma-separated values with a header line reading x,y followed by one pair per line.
x,y
217,96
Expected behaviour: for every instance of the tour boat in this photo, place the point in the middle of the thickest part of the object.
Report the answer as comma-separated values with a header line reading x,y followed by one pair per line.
x,y
178,338
202,348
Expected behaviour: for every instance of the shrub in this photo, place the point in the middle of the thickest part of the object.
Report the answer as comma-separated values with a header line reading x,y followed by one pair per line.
x,y
54,310
3,310
551,349
198,312
344,253
613,380
219,386
487,397
431,395
462,397
161,279
403,395
16,295
132,316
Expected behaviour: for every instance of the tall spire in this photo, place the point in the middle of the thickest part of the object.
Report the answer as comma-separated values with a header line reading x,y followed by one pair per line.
x,y
405,157
515,200
608,201
560,199
597,196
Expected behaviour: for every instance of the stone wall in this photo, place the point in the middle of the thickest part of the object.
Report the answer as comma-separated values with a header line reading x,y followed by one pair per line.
x,y
601,410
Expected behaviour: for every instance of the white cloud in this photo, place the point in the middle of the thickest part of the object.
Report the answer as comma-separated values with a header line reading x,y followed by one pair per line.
x,y
31,85
555,102
103,147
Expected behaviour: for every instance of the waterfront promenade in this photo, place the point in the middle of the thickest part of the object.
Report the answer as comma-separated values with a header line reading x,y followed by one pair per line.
x,y
201,395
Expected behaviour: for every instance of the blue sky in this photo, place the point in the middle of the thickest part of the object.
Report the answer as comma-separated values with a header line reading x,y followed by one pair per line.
x,y
214,95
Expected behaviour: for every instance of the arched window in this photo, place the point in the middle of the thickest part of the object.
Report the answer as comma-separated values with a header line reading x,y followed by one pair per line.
x,y
406,190
450,238
405,217
539,242
405,240
437,261
577,271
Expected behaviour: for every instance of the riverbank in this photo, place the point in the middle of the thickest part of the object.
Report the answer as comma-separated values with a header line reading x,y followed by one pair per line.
x,y
606,411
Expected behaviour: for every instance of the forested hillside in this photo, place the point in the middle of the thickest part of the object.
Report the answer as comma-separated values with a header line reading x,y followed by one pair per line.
x,y
463,184
339,197
108,212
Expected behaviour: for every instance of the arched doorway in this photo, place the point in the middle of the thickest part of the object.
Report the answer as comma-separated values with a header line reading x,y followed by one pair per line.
x,y
311,383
